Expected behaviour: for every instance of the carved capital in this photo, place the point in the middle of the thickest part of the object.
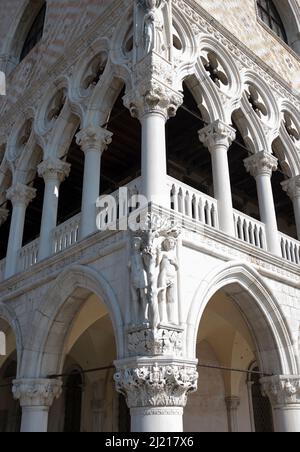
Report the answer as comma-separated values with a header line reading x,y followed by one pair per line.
x,y
36,392
292,187
161,341
232,403
152,97
94,138
54,169
3,215
20,194
217,134
261,164
282,389
156,385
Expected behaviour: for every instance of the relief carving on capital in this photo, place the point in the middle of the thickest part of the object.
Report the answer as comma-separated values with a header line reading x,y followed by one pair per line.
x,y
36,392
157,385
153,273
282,390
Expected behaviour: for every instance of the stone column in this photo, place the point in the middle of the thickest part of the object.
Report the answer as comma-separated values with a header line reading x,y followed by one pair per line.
x,y
292,187
156,391
3,215
20,195
93,141
232,405
36,397
153,107
53,172
261,167
284,394
218,137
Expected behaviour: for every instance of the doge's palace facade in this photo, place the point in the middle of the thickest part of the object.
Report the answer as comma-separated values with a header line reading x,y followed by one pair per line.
x,y
182,313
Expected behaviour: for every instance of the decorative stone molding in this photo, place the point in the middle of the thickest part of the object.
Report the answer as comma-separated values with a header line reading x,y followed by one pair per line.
x,y
282,389
3,215
164,340
157,385
292,187
94,138
54,169
21,194
217,134
36,392
261,164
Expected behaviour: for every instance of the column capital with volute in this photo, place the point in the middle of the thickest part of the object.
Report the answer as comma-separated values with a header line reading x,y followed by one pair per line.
x,y
20,194
94,138
217,134
261,164
53,168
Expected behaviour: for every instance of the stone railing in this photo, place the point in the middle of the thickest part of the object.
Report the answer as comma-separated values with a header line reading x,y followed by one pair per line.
x,y
66,234
192,203
121,207
28,255
290,248
249,230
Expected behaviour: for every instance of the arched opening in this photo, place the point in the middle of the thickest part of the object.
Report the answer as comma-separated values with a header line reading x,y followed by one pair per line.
x,y
260,407
89,402
269,14
6,205
10,410
35,32
26,31
187,159
228,338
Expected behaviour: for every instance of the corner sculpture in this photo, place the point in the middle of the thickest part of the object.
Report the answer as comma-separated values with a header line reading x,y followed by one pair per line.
x,y
153,268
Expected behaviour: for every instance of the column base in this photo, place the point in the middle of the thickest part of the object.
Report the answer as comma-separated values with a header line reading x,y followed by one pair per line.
x,y
153,419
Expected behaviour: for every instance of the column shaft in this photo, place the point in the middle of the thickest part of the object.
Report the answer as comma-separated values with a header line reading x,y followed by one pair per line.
x,y
154,163
218,137
20,195
93,141
222,188
261,166
267,212
287,419
156,420
34,419
53,171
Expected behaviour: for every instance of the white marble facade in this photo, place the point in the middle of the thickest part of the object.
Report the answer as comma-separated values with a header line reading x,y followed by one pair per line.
x,y
200,283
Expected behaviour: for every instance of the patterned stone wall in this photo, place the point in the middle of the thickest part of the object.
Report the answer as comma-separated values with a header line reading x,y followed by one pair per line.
x,y
240,18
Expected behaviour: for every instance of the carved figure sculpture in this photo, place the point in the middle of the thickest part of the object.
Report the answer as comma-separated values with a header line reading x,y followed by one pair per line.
x,y
139,282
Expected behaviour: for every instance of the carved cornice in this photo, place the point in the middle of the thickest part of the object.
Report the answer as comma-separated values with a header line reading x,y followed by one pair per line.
x,y
261,164
21,194
217,134
54,169
282,389
36,392
94,138
157,385
292,187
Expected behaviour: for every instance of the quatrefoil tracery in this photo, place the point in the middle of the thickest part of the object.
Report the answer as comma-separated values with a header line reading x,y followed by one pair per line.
x,y
215,69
